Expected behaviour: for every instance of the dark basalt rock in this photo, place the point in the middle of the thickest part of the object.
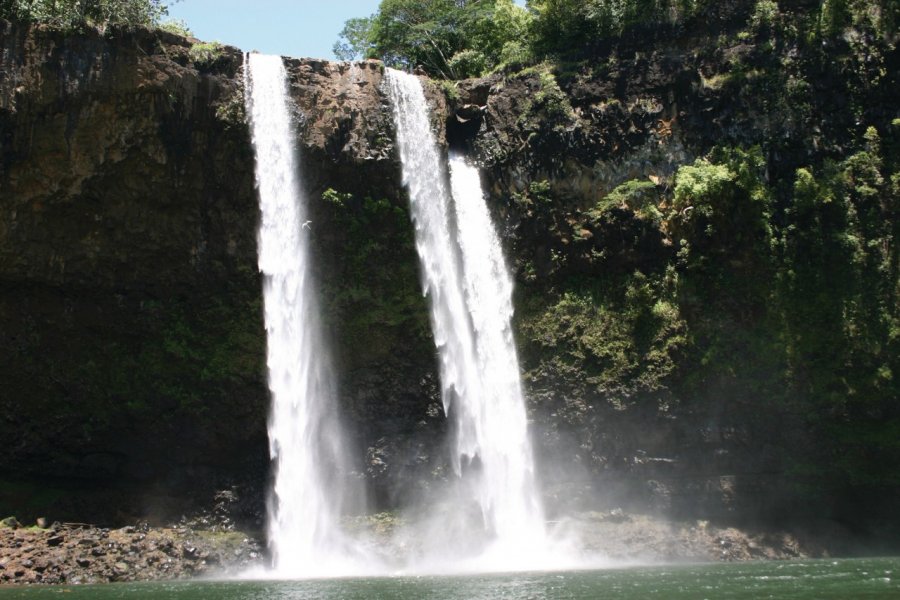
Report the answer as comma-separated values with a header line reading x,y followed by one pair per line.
x,y
132,351
154,554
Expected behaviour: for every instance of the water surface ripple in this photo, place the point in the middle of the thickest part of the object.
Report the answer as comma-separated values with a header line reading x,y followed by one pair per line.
x,y
857,579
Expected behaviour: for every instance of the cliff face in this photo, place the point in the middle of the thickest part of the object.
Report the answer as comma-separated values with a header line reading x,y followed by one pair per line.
x,y
133,348
672,329
367,272
129,301
672,356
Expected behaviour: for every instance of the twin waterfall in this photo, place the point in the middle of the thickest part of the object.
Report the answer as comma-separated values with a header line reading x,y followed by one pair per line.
x,y
469,291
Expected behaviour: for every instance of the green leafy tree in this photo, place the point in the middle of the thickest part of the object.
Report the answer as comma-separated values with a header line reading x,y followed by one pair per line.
x,y
355,39
574,27
447,38
74,13
416,33
721,208
498,31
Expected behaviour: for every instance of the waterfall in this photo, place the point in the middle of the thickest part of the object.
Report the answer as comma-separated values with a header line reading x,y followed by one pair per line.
x,y
469,290
500,428
306,440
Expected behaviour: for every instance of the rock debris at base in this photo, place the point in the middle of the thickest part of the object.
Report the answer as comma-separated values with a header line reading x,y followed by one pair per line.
x,y
83,554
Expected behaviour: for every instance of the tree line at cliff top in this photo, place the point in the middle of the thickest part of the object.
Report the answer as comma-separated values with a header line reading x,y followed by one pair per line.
x,y
456,39
73,13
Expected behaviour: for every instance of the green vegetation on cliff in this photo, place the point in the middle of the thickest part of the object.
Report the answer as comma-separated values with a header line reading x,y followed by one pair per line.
x,y
375,295
447,38
70,14
733,266
459,39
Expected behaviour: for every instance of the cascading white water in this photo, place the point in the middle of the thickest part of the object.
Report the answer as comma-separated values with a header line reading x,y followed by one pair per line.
x,y
470,291
500,423
306,439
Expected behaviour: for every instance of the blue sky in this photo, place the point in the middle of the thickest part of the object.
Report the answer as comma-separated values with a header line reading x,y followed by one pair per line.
x,y
298,28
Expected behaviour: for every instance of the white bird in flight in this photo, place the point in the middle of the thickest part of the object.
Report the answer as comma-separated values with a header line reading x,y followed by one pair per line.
x,y
305,225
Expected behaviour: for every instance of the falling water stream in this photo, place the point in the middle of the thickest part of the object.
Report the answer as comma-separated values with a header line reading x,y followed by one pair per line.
x,y
306,439
499,429
470,294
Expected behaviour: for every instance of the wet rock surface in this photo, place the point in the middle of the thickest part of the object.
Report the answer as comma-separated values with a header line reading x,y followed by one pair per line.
x,y
654,426
82,554
632,537
128,229
127,268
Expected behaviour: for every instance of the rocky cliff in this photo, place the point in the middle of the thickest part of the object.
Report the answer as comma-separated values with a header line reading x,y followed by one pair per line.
x,y
674,330
133,345
129,301
648,199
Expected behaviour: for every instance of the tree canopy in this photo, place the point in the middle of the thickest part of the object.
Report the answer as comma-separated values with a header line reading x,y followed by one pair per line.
x,y
73,13
464,38
446,38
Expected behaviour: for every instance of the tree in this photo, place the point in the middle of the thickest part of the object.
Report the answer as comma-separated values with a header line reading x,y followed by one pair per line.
x,y
574,27
412,33
499,32
447,38
355,39
74,13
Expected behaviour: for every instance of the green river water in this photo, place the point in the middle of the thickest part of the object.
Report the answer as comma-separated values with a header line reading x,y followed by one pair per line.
x,y
816,579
